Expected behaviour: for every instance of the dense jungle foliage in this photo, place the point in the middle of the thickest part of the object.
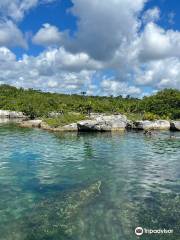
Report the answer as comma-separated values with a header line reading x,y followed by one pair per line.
x,y
164,104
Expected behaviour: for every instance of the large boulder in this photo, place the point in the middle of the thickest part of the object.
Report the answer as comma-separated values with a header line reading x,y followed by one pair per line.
x,y
175,126
93,125
103,123
31,123
152,125
142,125
11,114
161,125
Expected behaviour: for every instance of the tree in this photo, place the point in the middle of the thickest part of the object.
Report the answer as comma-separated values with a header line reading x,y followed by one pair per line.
x,y
83,93
30,111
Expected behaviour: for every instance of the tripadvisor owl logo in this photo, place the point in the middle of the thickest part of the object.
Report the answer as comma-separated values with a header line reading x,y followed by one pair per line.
x,y
139,231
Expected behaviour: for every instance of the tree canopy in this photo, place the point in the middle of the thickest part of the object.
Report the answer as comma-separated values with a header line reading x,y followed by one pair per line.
x,y
34,103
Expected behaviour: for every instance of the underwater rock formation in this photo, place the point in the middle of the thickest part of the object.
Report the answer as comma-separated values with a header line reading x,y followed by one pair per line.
x,y
52,218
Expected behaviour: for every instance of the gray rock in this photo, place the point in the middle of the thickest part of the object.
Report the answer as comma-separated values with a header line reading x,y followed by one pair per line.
x,y
141,125
69,128
31,124
161,125
152,125
175,125
45,126
88,125
11,114
130,124
8,120
103,123
103,117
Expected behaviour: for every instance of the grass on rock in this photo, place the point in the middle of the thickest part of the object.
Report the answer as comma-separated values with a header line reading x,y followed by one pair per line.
x,y
64,119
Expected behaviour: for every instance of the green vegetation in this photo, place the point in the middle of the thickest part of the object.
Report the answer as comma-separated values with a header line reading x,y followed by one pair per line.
x,y
165,104
152,116
64,119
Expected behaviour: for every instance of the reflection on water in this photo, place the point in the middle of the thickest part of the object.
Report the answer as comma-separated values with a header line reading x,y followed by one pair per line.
x,y
87,186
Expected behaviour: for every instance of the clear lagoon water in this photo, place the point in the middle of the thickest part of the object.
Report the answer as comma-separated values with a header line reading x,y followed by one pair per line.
x,y
87,186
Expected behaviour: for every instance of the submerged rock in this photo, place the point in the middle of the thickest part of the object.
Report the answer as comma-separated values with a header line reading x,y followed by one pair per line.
x,y
57,216
175,126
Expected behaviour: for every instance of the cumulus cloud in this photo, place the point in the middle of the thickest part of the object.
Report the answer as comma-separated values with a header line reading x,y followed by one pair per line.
x,y
151,15
113,87
12,11
156,43
160,74
15,9
10,35
111,37
44,71
60,59
47,73
103,25
48,35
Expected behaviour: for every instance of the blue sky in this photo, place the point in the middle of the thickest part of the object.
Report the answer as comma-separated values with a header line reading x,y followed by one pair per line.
x,y
72,46
169,9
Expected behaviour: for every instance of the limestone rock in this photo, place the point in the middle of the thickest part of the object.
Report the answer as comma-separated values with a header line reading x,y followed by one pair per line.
x,y
31,123
175,126
11,114
152,125
69,128
103,123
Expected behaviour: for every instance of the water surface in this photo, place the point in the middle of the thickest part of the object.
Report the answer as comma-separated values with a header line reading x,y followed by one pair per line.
x,y
87,186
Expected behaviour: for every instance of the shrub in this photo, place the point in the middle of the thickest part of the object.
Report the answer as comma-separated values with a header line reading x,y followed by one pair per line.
x,y
150,116
65,119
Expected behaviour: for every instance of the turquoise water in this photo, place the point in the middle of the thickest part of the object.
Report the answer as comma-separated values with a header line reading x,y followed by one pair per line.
x,y
87,186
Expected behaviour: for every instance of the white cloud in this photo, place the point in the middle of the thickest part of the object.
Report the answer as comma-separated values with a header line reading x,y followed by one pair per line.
x,y
156,43
113,87
48,35
103,26
16,9
10,35
6,55
42,72
160,74
49,71
59,59
171,17
110,36
151,15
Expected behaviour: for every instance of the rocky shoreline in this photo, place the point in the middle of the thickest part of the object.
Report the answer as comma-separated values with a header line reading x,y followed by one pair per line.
x,y
95,123
104,123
